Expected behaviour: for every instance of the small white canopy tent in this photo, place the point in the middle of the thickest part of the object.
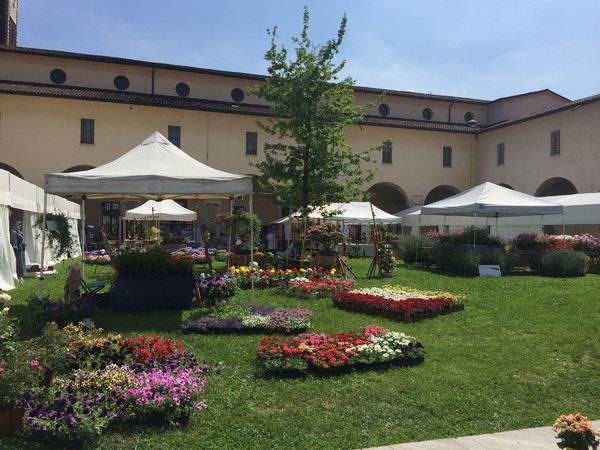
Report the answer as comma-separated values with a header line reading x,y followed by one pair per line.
x,y
163,210
360,213
350,213
155,169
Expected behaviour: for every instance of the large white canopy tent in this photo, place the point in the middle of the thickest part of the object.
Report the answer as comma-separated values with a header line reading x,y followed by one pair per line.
x,y
156,170
164,210
17,193
491,200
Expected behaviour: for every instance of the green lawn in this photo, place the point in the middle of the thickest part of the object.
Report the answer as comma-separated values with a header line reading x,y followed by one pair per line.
x,y
524,351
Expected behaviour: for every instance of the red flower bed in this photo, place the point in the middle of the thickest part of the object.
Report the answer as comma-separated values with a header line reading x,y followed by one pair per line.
x,y
143,348
408,310
339,350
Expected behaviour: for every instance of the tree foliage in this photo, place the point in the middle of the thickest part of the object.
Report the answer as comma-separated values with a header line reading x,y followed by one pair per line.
x,y
311,165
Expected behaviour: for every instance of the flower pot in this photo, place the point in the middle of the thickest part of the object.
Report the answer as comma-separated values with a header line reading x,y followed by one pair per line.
x,y
387,274
11,420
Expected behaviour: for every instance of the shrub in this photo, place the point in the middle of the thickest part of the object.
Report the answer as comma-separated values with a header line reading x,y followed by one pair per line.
x,y
410,245
466,237
151,262
560,263
465,259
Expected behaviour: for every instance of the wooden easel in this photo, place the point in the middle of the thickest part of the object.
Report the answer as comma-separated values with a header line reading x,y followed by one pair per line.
x,y
376,241
105,241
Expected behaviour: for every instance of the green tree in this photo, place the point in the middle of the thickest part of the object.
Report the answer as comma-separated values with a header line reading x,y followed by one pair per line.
x,y
311,165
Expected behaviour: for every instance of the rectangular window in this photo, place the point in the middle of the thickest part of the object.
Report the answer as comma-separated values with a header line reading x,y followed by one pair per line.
x,y
251,139
110,218
175,135
386,152
87,131
447,157
500,154
555,143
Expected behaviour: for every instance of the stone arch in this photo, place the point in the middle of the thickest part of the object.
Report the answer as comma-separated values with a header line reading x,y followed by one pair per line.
x,y
77,168
556,186
440,193
11,169
388,197
508,186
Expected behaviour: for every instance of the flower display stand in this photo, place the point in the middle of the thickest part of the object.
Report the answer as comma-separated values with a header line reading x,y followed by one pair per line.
x,y
152,292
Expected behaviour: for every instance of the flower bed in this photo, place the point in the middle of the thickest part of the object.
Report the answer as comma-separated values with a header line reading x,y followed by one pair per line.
x,y
338,351
250,318
321,287
274,277
399,303
138,379
99,257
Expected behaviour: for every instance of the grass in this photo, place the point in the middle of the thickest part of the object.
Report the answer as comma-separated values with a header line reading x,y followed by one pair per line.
x,y
523,352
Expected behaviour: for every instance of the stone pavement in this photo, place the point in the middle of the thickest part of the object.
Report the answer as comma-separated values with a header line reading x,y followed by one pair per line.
x,y
542,438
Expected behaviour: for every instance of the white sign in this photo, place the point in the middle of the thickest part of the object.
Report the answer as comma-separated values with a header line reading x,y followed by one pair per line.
x,y
492,270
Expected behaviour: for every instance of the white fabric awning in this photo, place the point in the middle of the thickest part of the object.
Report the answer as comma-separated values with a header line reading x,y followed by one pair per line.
x,y
155,169
164,210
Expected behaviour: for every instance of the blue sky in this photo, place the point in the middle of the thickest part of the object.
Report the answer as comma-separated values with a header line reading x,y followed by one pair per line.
x,y
483,50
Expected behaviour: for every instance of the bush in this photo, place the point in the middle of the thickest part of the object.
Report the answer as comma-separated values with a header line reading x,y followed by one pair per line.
x,y
152,262
465,260
410,245
560,263
466,237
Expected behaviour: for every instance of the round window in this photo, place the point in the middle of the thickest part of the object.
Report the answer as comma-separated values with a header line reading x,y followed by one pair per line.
x,y
58,76
384,109
121,82
427,114
182,89
469,116
237,95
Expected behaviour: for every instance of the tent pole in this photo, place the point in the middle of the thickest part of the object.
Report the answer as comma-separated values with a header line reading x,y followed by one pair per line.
x,y
251,248
229,233
563,222
43,245
418,239
83,237
474,225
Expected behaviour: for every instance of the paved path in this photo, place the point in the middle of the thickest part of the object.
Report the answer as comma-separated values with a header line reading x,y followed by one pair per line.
x,y
542,438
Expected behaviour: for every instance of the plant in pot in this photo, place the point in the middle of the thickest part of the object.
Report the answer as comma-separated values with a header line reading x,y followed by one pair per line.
x,y
239,226
326,235
575,432
20,372
58,233
386,259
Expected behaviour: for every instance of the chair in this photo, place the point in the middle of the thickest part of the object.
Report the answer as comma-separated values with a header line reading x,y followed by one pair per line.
x,y
92,288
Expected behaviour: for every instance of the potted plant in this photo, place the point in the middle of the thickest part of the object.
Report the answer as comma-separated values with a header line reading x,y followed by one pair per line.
x,y
216,288
20,372
387,260
58,233
327,235
575,432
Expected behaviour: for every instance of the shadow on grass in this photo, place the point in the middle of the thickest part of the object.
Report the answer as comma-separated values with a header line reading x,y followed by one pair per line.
x,y
316,372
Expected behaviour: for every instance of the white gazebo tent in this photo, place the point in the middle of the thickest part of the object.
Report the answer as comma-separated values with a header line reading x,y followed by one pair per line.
x,y
164,210
19,194
491,200
155,169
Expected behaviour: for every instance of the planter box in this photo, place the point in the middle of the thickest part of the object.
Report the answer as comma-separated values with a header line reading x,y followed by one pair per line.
x,y
152,292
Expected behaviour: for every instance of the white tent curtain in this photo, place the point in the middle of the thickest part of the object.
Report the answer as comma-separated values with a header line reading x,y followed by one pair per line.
x,y
19,194
8,262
